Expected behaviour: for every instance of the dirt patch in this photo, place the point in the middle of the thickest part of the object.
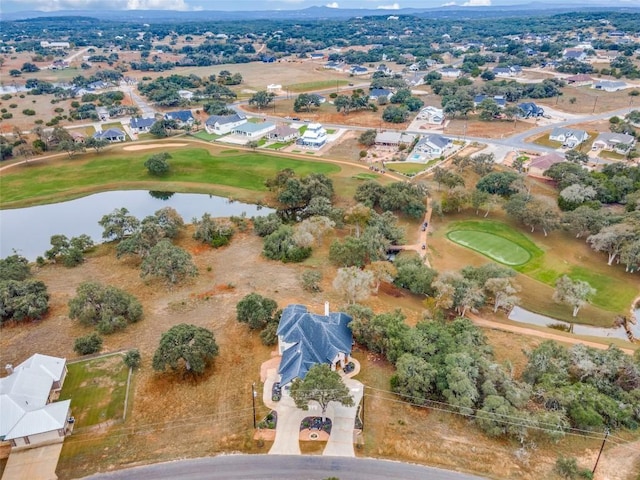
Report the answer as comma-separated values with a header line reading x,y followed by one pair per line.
x,y
147,146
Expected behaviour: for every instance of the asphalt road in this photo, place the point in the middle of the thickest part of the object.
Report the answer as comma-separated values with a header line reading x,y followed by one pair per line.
x,y
283,467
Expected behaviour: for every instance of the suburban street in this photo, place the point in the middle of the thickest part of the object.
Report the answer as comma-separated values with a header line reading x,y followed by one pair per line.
x,y
281,467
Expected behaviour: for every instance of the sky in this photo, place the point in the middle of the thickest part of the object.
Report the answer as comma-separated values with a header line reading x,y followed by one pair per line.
x,y
52,5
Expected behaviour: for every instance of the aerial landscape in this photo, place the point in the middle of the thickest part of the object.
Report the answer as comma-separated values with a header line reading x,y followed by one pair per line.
x,y
288,240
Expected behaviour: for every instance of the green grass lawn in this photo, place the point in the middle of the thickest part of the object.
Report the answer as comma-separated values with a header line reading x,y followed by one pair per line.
x,y
317,85
496,248
278,145
365,176
204,135
407,168
45,183
504,234
97,390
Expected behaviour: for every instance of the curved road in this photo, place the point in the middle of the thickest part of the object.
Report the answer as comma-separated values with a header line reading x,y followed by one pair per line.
x,y
283,467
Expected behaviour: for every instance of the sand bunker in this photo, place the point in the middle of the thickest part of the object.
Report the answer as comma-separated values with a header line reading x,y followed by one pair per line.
x,y
134,148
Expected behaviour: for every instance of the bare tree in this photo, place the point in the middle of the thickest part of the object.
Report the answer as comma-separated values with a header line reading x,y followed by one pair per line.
x,y
353,283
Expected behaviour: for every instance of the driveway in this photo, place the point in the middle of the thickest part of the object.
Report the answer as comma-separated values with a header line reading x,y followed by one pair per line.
x,y
33,464
287,441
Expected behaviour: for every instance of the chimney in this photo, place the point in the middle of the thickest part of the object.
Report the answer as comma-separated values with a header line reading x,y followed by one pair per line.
x,y
326,309
9,368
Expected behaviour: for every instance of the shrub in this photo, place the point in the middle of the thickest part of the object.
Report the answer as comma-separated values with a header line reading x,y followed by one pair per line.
x,y
132,358
88,345
311,281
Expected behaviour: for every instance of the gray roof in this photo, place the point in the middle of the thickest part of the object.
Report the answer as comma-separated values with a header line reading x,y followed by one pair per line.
x,y
315,338
437,140
394,138
141,122
568,132
621,138
110,133
224,119
250,127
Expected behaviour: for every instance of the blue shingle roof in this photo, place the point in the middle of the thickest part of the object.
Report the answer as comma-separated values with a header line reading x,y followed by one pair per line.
x,y
315,338
141,122
180,115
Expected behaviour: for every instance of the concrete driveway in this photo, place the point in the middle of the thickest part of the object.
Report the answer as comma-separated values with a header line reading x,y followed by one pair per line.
x,y
287,441
33,464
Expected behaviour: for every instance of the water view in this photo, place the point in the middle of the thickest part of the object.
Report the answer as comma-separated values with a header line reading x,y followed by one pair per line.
x,y
28,230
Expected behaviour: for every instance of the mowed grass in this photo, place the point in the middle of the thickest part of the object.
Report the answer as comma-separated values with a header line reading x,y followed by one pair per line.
x,y
497,241
78,176
97,389
493,246
407,167
317,85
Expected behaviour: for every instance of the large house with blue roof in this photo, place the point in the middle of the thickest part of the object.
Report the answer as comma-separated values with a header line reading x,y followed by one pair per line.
x,y
306,339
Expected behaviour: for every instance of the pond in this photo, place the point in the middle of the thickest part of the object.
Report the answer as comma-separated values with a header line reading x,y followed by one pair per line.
x,y
521,315
28,230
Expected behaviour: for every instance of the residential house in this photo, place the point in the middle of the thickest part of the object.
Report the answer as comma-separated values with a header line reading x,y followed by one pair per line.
x,y
55,45
141,125
538,166
394,139
112,135
415,79
569,137
579,80
254,131
510,71
306,339
376,93
450,72
268,59
609,85
183,117
432,115
382,68
274,88
316,56
27,416
575,54
429,147
283,133
185,94
617,142
315,136
338,66
77,137
499,99
530,110
358,70
223,124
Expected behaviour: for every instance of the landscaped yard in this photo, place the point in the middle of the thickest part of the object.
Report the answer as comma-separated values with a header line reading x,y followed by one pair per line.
x,y
97,390
204,135
192,169
496,248
407,168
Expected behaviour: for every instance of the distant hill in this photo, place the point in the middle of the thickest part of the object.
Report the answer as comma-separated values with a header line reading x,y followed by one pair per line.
x,y
319,13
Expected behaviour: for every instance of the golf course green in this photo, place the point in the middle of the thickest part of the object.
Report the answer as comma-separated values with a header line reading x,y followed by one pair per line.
x,y
493,246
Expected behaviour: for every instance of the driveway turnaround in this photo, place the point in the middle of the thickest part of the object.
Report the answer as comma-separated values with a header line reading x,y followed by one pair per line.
x,y
343,418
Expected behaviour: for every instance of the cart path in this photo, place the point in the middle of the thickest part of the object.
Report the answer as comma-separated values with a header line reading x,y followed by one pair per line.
x,y
483,322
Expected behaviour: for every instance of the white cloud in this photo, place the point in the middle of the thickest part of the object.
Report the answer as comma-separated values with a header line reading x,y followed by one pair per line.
x,y
332,5
477,3
393,6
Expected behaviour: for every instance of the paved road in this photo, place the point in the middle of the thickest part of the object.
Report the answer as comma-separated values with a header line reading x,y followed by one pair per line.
x,y
265,467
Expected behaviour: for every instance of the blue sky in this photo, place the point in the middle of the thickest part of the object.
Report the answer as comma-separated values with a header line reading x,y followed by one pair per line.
x,y
52,5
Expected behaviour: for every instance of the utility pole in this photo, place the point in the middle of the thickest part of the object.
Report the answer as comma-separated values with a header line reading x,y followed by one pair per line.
x,y
594,105
604,440
253,402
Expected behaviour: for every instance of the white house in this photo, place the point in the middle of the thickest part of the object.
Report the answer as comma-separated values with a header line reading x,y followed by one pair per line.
x,y
112,135
223,124
617,142
432,115
609,85
56,45
429,147
274,88
254,131
315,136
568,137
450,72
27,418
